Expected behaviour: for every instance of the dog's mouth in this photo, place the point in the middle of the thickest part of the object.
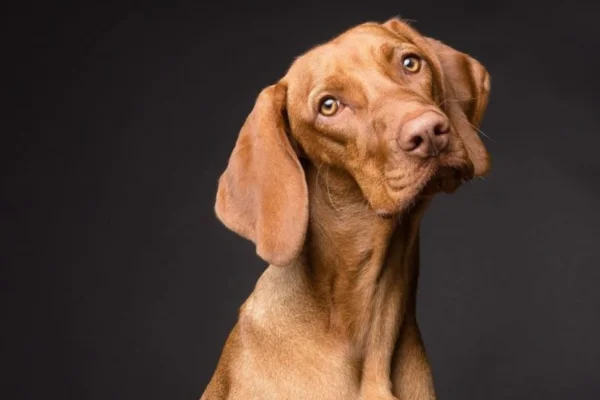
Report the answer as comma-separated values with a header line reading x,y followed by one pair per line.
x,y
447,179
437,175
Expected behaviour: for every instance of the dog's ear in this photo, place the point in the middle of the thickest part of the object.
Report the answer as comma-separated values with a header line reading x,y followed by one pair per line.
x,y
262,195
466,93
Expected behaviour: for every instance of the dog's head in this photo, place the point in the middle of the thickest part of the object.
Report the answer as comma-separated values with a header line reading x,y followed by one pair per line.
x,y
397,111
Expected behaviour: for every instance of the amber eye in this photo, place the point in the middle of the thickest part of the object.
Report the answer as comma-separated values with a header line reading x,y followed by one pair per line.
x,y
411,63
329,106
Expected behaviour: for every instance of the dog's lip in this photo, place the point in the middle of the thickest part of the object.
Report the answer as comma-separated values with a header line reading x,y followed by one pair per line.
x,y
429,181
446,179
416,184
438,174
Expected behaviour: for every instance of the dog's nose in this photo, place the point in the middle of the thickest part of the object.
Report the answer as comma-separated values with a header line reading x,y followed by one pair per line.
x,y
426,135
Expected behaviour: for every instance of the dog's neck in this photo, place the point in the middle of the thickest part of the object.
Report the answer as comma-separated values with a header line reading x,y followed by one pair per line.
x,y
364,267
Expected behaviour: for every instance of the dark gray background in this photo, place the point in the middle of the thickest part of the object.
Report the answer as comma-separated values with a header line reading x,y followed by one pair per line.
x,y
118,281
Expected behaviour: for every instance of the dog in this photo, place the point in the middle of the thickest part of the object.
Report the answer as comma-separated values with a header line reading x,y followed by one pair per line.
x,y
329,178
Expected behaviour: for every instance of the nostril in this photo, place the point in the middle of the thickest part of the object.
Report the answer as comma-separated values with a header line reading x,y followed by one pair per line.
x,y
417,140
441,128
412,142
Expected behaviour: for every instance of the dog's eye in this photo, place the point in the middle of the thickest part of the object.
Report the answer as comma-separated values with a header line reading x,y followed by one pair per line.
x,y
328,106
411,63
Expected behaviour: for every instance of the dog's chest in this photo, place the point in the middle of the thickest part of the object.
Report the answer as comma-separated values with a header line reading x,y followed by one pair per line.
x,y
287,350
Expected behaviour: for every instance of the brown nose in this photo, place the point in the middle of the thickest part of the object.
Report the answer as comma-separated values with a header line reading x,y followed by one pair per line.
x,y
426,135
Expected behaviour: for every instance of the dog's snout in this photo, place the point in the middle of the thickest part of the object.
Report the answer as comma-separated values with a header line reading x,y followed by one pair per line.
x,y
425,136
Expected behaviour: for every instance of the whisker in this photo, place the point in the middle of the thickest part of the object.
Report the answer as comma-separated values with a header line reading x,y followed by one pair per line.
x,y
482,133
474,127
366,204
456,100
318,173
329,193
321,225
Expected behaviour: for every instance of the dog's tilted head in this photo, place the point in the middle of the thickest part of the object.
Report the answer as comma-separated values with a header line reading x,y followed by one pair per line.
x,y
397,111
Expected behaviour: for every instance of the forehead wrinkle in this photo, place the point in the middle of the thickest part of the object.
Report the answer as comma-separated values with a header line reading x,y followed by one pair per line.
x,y
342,84
373,47
360,85
334,72
344,65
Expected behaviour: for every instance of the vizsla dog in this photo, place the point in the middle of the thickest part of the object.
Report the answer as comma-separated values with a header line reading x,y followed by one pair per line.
x,y
330,177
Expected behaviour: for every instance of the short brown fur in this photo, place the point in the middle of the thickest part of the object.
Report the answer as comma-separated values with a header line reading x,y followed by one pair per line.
x,y
334,206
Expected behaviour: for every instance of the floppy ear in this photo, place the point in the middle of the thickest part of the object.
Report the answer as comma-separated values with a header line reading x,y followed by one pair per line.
x,y
262,194
466,89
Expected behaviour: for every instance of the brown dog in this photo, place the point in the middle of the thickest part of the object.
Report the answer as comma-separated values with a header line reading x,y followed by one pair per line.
x,y
329,178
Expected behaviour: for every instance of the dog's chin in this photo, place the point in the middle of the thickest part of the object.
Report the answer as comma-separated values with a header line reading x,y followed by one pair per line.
x,y
441,177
